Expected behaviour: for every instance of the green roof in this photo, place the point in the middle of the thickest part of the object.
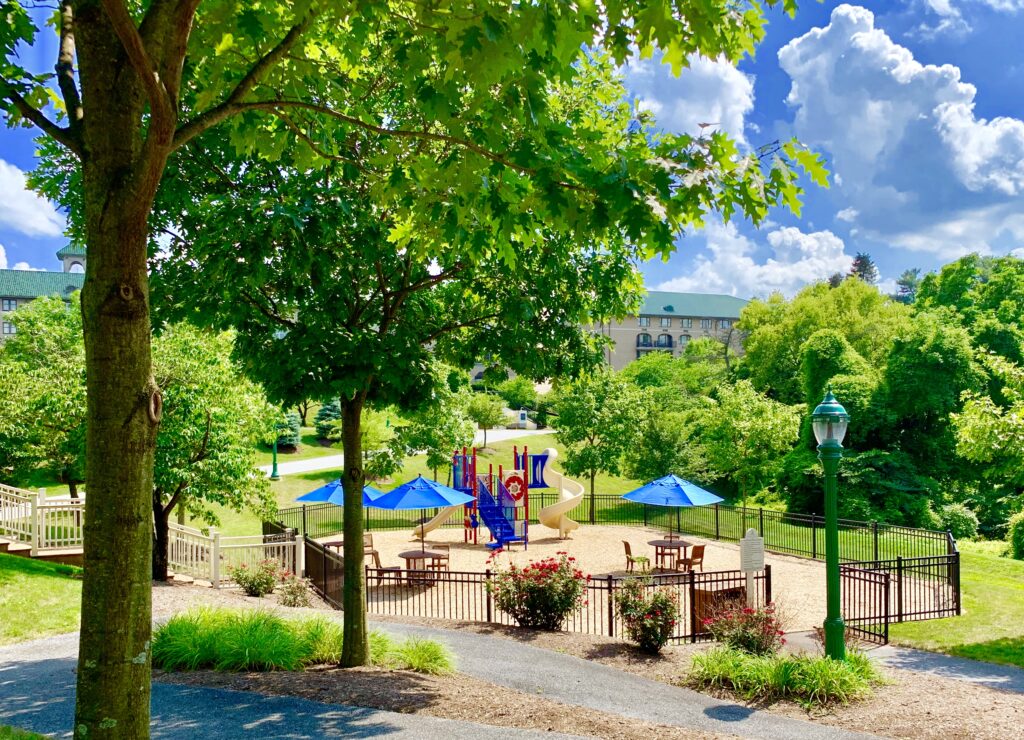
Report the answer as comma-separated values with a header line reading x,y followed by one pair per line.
x,y
663,303
37,283
71,250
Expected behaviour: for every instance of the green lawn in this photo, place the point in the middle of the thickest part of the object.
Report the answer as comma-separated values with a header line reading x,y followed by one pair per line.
x,y
13,733
37,598
992,625
309,448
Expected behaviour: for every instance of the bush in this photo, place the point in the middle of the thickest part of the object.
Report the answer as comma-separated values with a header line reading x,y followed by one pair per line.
x,y
325,418
757,631
542,594
294,591
1015,535
291,432
519,392
650,615
260,640
258,580
804,679
960,521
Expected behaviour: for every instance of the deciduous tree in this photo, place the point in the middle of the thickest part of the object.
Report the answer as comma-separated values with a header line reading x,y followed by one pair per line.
x,y
276,74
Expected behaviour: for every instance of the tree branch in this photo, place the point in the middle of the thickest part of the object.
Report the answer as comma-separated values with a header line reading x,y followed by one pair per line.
x,y
65,136
233,103
174,499
201,452
160,104
65,68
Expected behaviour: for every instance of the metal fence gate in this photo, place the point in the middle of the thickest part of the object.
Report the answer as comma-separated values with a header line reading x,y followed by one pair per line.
x,y
865,603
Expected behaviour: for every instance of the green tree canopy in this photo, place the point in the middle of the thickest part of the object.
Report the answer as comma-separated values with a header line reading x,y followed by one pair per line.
x,y
599,418
486,411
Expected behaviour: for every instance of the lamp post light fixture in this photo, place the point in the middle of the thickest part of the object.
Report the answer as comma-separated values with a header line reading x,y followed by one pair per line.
x,y
829,422
274,475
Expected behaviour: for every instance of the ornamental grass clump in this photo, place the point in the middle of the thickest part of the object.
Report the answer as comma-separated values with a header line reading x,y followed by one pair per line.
x,y
256,580
755,630
806,680
542,594
262,640
650,615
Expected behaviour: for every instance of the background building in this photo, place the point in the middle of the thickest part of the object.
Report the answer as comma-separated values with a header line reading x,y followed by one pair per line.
x,y
667,322
18,287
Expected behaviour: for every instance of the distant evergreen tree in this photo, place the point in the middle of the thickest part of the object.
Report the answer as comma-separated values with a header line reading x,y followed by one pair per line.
x,y
864,268
907,285
835,279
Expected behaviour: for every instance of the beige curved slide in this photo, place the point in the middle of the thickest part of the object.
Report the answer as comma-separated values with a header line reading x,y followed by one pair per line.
x,y
570,494
429,526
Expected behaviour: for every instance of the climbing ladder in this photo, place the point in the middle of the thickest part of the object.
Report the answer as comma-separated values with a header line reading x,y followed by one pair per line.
x,y
497,514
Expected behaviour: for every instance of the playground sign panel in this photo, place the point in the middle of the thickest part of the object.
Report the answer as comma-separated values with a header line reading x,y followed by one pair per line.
x,y
751,560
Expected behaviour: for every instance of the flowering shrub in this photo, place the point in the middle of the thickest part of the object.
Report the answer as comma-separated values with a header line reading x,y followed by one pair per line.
x,y
541,594
293,591
258,580
755,631
650,616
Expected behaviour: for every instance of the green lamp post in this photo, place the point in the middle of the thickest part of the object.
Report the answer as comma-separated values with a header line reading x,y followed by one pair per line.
x,y
829,422
274,475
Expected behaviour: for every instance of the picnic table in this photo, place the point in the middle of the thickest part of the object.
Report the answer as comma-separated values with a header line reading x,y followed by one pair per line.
x,y
669,550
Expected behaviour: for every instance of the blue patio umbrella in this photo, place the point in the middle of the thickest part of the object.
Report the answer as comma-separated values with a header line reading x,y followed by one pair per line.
x,y
672,490
333,493
420,493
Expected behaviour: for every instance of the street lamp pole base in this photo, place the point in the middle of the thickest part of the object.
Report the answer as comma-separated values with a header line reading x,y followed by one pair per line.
x,y
835,638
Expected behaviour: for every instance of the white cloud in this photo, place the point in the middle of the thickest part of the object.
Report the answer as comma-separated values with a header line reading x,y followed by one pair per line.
x,y
3,258
24,211
708,91
847,214
910,155
16,265
798,259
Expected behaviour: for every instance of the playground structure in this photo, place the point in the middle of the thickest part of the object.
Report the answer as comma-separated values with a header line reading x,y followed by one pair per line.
x,y
502,502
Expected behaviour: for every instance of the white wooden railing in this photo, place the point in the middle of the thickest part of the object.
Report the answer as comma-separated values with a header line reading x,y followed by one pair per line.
x,y
44,524
210,557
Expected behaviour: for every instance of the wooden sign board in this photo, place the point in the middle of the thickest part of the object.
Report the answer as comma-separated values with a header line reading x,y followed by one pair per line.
x,y
752,552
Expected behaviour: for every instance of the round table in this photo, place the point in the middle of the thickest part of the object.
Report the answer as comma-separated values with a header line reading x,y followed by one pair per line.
x,y
661,546
417,559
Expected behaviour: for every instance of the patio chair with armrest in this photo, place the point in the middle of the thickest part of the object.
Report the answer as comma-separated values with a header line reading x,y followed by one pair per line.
x,y
440,563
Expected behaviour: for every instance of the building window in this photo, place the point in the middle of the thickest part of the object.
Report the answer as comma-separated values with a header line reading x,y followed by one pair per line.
x,y
643,340
724,323
9,304
643,321
705,323
664,341
684,340
666,322
686,323
9,328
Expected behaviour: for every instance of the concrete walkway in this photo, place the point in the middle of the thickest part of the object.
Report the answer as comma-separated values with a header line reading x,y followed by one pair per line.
x,y
37,683
337,462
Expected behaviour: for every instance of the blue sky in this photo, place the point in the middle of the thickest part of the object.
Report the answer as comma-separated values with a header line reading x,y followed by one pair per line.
x,y
917,106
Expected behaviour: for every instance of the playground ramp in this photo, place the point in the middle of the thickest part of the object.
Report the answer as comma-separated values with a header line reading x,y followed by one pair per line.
x,y
570,494
422,530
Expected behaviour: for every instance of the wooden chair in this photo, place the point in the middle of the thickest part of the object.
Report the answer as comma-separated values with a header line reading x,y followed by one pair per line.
x,y
397,569
367,542
440,563
632,560
696,558
666,559
672,536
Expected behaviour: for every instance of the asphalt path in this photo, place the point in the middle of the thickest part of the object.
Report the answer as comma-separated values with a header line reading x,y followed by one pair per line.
x,y
37,683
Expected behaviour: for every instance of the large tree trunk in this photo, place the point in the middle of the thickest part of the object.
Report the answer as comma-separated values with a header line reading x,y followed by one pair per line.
x,y
161,516
355,648
73,489
123,411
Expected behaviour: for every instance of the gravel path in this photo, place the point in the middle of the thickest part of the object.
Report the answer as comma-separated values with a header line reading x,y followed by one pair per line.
x,y
37,684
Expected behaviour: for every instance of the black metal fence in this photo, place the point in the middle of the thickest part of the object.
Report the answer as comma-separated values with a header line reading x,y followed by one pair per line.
x,y
465,596
783,532
877,593
325,570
